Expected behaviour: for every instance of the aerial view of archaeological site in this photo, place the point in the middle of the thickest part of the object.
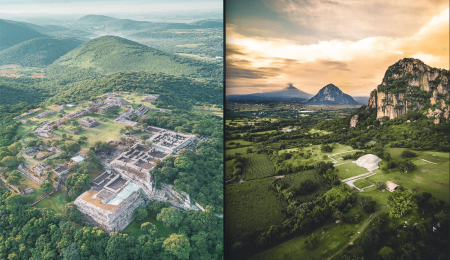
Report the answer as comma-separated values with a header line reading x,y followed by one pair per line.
x,y
111,130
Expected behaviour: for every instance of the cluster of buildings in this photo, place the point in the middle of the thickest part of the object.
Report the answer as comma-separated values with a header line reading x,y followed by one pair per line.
x,y
127,182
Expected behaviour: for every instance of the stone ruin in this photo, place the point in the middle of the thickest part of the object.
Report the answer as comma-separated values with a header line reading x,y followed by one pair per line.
x,y
368,161
45,130
168,141
88,122
46,114
40,169
111,202
61,169
127,182
149,98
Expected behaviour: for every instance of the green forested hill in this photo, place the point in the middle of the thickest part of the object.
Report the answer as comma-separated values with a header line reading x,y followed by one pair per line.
x,y
175,92
13,33
38,52
110,54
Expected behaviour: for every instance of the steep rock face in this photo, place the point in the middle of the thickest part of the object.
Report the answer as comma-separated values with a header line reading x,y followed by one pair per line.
x,y
354,121
331,95
410,84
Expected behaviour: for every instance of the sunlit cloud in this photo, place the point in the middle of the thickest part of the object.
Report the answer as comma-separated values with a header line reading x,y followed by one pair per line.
x,y
355,66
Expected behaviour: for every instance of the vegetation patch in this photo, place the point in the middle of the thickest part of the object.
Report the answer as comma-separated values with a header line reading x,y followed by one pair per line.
x,y
257,166
362,183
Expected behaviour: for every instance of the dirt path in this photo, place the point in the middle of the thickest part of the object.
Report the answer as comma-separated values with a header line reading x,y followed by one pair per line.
x,y
356,235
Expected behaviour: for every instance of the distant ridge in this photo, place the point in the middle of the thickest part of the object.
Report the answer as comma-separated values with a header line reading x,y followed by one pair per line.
x,y
14,33
38,52
331,95
288,93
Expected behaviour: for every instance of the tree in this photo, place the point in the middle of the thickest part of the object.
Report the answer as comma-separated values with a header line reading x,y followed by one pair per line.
x,y
72,252
144,136
76,184
9,161
381,185
407,166
311,241
170,217
399,203
149,229
46,186
13,180
72,213
386,253
408,154
178,245
140,213
183,163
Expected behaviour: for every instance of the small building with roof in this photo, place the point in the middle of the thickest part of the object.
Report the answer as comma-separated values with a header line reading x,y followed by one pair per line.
x,y
391,186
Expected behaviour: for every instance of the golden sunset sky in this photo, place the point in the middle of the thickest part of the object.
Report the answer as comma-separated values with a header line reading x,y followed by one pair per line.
x,y
348,43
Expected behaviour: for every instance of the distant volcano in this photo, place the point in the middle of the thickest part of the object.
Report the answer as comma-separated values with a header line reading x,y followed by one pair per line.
x,y
288,93
331,95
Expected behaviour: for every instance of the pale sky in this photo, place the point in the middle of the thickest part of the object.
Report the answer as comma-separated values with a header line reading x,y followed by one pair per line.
x,y
58,7
313,43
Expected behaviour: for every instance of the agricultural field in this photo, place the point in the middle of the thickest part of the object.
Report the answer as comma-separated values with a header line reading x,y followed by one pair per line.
x,y
295,179
229,169
257,166
251,206
349,170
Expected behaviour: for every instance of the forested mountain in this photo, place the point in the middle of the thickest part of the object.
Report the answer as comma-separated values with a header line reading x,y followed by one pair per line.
x,y
109,54
288,93
38,52
13,33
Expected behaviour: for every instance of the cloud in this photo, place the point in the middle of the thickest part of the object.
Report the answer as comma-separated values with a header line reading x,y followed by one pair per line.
x,y
356,67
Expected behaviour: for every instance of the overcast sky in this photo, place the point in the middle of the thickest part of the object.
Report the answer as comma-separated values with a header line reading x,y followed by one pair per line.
x,y
58,7
348,43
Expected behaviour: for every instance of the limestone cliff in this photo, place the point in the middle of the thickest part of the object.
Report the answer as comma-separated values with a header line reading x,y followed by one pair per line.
x,y
410,84
354,121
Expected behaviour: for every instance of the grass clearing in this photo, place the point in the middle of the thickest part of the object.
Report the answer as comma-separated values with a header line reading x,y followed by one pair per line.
x,y
350,170
361,183
55,203
335,237
427,178
134,228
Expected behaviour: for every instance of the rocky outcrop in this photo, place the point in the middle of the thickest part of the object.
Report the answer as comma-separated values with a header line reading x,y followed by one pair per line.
x,y
354,121
410,84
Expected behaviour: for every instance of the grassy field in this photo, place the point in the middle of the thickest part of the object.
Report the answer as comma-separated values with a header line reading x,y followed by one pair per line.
x,y
257,166
250,207
320,132
361,183
134,228
316,154
55,203
230,144
105,131
349,170
335,237
242,150
427,178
